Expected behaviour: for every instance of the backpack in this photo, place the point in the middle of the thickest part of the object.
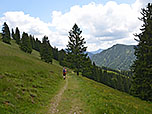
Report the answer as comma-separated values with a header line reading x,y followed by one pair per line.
x,y
64,70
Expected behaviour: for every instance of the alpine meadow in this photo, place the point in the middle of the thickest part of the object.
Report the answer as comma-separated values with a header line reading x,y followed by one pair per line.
x,y
37,77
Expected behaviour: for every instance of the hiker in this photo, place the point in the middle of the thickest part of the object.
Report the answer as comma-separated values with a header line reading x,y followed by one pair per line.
x,y
64,73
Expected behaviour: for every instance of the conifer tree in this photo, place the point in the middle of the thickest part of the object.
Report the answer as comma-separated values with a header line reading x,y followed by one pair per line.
x,y
142,67
87,68
32,40
6,34
13,35
46,50
61,57
76,48
55,53
17,35
25,44
37,45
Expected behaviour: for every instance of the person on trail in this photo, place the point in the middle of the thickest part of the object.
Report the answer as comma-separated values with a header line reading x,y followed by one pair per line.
x,y
64,73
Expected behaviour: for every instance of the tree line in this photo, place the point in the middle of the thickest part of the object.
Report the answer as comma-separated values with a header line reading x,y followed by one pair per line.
x,y
28,43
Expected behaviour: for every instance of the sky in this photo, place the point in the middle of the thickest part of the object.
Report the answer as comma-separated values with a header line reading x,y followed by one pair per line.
x,y
103,22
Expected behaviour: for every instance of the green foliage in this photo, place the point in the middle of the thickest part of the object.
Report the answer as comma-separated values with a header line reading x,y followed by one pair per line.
x,y
118,57
26,83
17,35
25,44
112,78
37,44
6,34
13,34
55,53
61,56
46,50
76,49
142,67
32,41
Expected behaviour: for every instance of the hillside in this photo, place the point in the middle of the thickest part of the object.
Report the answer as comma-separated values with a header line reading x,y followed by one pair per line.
x,y
26,83
30,86
81,95
119,57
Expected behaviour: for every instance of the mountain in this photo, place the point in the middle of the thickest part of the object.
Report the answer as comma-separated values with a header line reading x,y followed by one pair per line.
x,y
119,57
98,51
90,54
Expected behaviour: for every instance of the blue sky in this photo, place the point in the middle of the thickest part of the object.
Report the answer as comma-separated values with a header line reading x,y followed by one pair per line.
x,y
104,22
43,8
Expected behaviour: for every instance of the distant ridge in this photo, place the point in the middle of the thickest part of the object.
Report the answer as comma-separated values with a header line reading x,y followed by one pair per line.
x,y
119,57
98,51
91,53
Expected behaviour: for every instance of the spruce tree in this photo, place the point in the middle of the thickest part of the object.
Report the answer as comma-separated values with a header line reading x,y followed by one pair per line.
x,y
17,36
142,67
13,35
6,34
55,53
76,48
61,57
87,68
32,40
37,45
25,44
46,50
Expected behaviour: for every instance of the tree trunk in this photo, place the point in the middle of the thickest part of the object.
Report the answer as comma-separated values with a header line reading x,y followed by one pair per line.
x,y
77,73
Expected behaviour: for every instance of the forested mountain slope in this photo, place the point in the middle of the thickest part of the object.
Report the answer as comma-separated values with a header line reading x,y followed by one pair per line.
x,y
118,57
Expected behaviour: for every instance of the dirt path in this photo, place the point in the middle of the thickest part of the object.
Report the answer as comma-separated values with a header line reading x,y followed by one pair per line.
x,y
68,99
55,101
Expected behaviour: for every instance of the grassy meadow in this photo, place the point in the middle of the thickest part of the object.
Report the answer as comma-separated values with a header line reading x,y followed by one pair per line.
x,y
26,83
85,96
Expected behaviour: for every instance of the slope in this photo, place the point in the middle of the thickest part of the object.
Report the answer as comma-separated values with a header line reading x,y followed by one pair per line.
x,y
119,57
84,96
26,83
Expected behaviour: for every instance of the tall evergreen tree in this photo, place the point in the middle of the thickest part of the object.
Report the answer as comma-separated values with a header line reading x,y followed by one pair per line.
x,y
32,40
46,50
142,67
13,35
37,44
87,68
17,35
61,57
76,48
6,34
25,44
55,53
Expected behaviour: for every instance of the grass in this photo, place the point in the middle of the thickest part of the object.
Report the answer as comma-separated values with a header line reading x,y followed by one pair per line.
x,y
86,96
101,99
26,83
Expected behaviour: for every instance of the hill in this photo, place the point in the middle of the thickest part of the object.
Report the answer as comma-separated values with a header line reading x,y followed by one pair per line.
x,y
81,95
119,57
26,83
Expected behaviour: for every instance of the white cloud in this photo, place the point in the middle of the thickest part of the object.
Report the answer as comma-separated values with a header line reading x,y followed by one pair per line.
x,y
102,25
105,25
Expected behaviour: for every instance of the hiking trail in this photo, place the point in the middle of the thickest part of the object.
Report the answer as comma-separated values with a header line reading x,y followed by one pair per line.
x,y
55,101
67,100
